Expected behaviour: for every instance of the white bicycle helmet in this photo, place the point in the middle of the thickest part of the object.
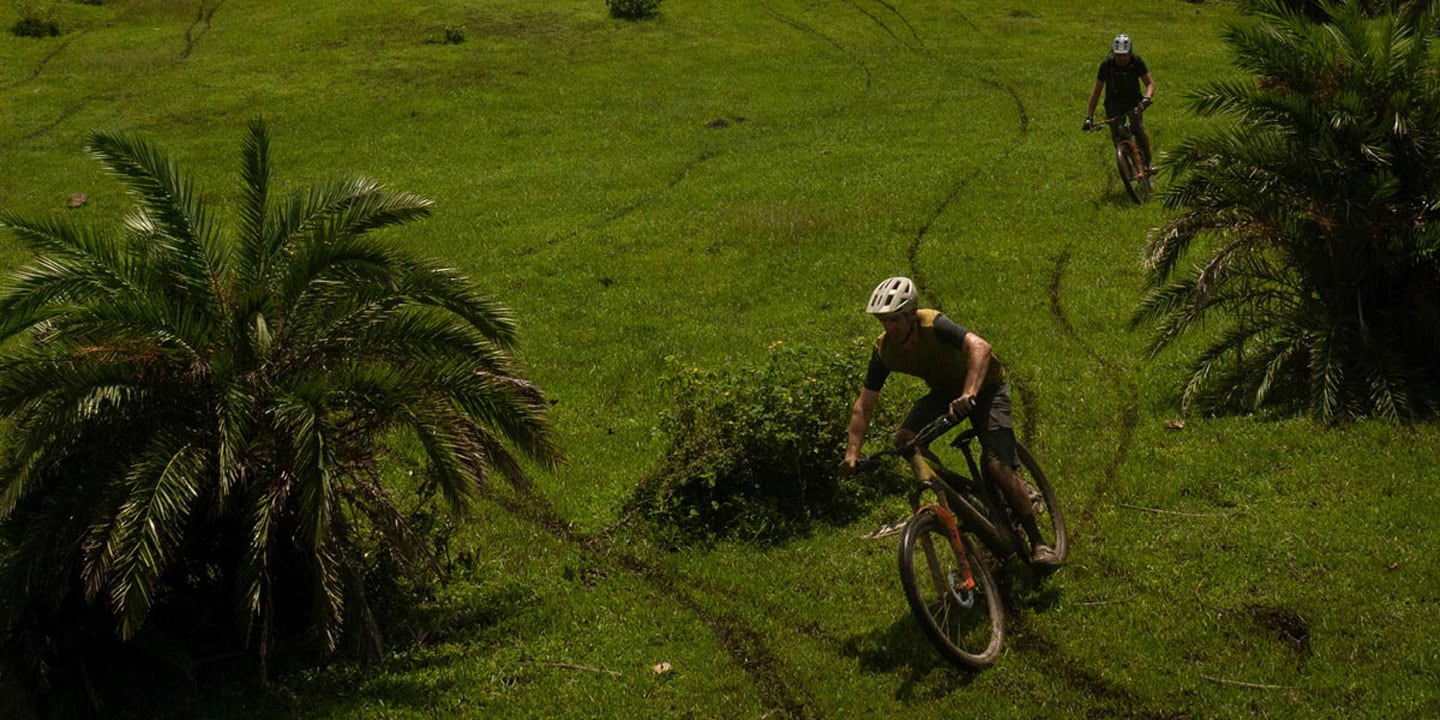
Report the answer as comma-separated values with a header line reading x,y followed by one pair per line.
x,y
894,296
1121,46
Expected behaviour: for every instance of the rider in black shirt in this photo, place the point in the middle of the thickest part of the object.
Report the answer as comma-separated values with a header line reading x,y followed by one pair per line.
x,y
1121,75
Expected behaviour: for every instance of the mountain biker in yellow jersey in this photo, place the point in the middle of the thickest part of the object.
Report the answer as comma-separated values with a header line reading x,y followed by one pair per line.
x,y
1121,74
965,379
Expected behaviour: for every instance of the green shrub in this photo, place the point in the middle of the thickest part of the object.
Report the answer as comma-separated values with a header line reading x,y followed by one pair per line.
x,y
454,34
632,9
754,452
35,28
37,19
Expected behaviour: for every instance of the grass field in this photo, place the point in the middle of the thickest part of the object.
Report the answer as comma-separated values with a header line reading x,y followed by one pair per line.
x,y
730,174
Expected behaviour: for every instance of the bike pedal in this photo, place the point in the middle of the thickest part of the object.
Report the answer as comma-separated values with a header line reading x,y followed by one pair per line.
x,y
1037,501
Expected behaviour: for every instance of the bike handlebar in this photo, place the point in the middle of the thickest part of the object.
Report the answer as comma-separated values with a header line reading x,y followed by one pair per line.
x,y
1095,125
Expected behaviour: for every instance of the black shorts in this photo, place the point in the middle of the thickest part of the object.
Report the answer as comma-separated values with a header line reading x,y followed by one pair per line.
x,y
1137,123
991,417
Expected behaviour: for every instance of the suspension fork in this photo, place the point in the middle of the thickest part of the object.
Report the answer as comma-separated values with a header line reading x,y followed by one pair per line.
x,y
952,531
1137,158
927,478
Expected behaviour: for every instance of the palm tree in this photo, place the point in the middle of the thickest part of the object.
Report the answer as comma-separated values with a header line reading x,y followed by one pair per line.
x,y
1410,11
188,409
1317,215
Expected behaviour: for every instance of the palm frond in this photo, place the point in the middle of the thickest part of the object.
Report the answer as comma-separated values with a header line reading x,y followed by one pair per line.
x,y
169,201
165,486
254,203
1327,375
312,213
266,507
449,289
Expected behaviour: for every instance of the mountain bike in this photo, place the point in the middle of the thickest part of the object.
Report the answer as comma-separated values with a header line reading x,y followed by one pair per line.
x,y
947,583
1131,163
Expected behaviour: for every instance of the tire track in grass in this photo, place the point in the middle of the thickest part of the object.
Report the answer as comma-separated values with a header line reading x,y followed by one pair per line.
x,y
784,697
40,66
625,210
888,31
203,14
628,208
1130,412
912,253
1023,115
1116,700
202,18
849,55
44,130
906,22
71,37
873,18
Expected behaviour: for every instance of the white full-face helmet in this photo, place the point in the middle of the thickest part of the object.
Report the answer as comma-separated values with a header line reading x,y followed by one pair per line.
x,y
1121,45
892,297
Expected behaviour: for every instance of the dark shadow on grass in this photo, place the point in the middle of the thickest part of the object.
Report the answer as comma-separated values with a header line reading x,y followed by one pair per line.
x,y
901,649
1115,197
1023,589
414,678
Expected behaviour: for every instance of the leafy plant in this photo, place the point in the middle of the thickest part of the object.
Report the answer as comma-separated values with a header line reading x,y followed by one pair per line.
x,y
31,27
37,19
632,9
754,451
1318,210
454,34
195,421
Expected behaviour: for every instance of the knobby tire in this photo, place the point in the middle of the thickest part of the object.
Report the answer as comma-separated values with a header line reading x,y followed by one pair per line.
x,y
1125,163
966,626
1050,520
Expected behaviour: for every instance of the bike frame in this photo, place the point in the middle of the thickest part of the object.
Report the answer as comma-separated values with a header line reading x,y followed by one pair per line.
x,y
963,498
1127,153
1127,144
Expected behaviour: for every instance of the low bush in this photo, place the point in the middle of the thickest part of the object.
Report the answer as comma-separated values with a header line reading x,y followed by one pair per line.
x,y
754,452
35,28
37,19
632,9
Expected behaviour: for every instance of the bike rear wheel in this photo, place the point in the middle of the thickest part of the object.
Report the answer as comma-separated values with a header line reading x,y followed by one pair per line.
x,y
1049,519
951,592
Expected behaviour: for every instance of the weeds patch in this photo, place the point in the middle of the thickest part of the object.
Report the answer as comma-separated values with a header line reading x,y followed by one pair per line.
x,y
754,452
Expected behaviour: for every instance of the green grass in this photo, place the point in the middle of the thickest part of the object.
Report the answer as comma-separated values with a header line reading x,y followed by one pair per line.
x,y
580,173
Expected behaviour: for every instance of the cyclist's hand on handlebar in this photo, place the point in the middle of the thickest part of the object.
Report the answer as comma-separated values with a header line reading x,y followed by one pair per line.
x,y
1145,102
849,464
1089,124
961,406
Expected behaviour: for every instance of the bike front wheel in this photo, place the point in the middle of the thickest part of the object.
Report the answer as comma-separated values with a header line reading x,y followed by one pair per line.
x,y
951,592
1145,187
1126,164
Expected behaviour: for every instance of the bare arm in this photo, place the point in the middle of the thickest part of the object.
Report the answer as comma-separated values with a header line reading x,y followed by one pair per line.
x,y
1095,98
859,421
1149,85
977,355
